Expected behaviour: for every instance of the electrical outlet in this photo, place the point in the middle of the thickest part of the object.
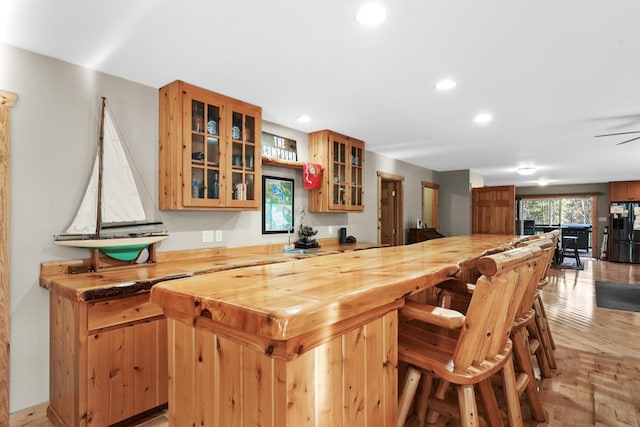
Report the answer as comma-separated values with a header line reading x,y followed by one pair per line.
x,y
330,231
218,235
207,236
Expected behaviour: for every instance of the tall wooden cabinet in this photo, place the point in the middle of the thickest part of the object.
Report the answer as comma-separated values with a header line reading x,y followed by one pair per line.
x,y
210,150
624,191
342,187
108,359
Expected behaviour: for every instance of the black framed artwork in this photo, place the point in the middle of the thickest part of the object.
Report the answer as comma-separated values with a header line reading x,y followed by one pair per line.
x,y
277,204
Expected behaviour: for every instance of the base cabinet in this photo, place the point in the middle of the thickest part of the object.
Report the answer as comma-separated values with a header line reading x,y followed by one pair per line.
x,y
108,360
349,380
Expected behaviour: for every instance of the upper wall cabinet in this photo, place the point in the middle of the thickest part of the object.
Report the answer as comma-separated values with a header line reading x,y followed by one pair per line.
x,y
342,187
624,191
209,150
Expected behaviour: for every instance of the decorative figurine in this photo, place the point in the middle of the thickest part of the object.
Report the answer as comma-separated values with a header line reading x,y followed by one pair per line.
x,y
305,232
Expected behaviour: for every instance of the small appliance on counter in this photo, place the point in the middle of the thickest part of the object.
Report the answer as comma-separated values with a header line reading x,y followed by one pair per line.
x,y
342,235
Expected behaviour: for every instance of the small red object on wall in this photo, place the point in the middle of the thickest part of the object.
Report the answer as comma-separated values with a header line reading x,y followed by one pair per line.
x,y
312,174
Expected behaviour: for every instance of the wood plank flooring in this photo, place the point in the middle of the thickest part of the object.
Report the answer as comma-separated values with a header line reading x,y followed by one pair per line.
x,y
597,382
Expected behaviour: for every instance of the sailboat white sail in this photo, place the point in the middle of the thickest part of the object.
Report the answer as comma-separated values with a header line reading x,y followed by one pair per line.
x,y
111,216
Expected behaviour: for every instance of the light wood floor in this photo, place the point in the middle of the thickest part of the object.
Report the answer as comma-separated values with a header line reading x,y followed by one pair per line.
x,y
597,382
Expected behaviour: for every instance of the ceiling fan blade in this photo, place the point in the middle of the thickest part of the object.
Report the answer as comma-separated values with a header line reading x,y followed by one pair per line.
x,y
619,133
629,140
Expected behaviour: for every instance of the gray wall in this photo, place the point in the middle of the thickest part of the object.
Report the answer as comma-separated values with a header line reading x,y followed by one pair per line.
x,y
455,202
54,128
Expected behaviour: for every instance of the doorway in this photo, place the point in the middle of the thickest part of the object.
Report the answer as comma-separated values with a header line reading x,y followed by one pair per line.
x,y
390,213
430,205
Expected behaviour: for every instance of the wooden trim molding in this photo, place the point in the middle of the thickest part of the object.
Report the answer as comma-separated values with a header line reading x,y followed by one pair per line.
x,y
7,100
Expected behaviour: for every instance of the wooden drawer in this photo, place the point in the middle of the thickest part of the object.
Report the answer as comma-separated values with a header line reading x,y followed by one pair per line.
x,y
113,312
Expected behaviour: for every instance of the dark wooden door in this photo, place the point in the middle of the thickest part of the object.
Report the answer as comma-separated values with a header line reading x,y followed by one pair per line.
x,y
493,210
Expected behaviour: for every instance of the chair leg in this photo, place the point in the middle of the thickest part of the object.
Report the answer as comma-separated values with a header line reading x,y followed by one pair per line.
x,y
485,389
546,339
514,413
522,355
421,408
408,392
468,407
441,390
543,316
535,340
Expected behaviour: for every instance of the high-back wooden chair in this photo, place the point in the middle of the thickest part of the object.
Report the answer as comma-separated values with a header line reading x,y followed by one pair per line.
x,y
467,349
542,322
524,333
526,336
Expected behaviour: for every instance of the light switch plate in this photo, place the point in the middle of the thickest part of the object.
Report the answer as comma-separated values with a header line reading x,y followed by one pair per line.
x,y
218,235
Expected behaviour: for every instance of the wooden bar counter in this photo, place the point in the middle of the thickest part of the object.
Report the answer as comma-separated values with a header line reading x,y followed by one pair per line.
x,y
311,342
108,342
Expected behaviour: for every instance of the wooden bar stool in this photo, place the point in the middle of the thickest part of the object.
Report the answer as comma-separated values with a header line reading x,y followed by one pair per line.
x,y
465,350
570,248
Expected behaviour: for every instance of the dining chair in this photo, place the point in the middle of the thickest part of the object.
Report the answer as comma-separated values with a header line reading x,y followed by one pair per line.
x,y
466,350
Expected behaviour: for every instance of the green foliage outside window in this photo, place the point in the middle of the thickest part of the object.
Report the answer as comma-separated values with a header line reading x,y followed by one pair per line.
x,y
558,211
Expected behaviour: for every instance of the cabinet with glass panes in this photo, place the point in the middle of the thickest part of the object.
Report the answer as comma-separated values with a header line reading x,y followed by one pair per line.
x,y
208,148
342,187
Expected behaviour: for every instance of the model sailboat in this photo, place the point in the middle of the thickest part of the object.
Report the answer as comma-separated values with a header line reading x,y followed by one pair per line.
x,y
111,217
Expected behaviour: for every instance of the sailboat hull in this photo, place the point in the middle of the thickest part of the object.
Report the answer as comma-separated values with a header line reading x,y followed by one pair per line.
x,y
123,249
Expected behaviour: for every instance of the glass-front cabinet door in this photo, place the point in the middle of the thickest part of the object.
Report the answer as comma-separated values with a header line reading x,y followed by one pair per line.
x,y
245,130
339,167
346,187
206,168
357,184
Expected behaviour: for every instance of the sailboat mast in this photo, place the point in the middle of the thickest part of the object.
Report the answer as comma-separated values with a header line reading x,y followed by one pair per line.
x,y
100,166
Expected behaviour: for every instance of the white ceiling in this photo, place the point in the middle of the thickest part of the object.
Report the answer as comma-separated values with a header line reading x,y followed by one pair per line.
x,y
552,73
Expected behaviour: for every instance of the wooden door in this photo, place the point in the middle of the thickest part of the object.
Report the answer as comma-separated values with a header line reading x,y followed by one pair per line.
x,y
390,202
493,210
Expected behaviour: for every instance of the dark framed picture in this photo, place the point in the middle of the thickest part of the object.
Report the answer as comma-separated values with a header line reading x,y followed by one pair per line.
x,y
277,204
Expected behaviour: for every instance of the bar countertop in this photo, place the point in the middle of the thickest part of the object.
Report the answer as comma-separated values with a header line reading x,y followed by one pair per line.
x,y
125,281
278,302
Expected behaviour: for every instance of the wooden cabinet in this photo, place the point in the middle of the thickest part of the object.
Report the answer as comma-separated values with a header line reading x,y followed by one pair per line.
x,y
422,234
210,150
342,187
108,360
624,191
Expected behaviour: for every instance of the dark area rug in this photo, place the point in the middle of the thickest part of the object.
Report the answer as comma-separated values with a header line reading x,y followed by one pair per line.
x,y
620,296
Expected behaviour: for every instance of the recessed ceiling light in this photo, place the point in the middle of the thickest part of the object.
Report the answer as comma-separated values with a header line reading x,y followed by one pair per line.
x,y
303,119
527,170
483,118
543,182
446,84
371,14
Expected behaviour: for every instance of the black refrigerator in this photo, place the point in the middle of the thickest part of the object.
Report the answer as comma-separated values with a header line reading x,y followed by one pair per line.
x,y
624,232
